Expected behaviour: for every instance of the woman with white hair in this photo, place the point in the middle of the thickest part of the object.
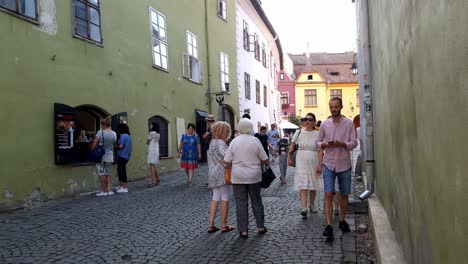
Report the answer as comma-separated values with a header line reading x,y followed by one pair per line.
x,y
246,155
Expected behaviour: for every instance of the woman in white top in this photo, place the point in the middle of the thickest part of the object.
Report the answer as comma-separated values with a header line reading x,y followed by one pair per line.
x,y
308,163
153,153
246,154
106,137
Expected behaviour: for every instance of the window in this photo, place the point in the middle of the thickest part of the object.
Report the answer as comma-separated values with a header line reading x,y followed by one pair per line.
x,y
357,97
87,20
246,36
334,73
264,57
257,91
222,9
159,39
281,76
247,85
271,64
163,134
310,97
224,67
23,8
192,67
265,96
284,99
192,45
256,47
335,93
76,128
310,77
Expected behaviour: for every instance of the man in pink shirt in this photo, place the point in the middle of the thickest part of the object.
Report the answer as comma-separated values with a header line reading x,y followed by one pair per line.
x,y
337,137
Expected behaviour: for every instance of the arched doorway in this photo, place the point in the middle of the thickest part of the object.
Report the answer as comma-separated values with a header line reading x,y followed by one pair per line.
x,y
226,114
164,134
75,129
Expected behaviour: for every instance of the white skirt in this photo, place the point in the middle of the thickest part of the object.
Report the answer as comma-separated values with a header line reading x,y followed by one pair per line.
x,y
306,178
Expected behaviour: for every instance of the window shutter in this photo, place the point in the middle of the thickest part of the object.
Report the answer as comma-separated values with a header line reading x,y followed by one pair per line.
x,y
252,44
201,72
186,65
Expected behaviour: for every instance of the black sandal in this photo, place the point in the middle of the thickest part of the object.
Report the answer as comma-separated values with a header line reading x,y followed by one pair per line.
x,y
212,229
262,231
243,235
225,229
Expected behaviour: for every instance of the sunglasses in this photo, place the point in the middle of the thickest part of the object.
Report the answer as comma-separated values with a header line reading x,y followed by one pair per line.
x,y
304,119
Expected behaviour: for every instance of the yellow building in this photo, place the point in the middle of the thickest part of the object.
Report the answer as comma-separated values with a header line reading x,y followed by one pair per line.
x,y
321,76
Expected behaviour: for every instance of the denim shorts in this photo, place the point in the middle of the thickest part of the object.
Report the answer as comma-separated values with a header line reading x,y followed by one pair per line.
x,y
344,180
104,168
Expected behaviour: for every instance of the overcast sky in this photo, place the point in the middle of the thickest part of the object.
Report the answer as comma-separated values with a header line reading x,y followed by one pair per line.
x,y
329,25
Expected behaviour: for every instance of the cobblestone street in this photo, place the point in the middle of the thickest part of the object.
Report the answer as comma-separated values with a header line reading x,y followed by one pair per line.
x,y
168,224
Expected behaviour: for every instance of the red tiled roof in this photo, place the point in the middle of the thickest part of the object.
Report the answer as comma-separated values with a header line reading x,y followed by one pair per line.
x,y
334,67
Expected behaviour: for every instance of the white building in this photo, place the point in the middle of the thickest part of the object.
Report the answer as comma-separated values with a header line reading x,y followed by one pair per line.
x,y
259,58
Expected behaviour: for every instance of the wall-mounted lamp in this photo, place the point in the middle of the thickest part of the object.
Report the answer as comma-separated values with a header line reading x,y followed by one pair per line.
x,y
220,95
354,69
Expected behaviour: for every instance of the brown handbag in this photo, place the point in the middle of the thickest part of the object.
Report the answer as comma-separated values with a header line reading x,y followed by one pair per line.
x,y
227,175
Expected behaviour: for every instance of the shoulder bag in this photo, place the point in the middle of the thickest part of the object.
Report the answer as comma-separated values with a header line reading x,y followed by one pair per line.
x,y
227,175
95,155
267,176
293,154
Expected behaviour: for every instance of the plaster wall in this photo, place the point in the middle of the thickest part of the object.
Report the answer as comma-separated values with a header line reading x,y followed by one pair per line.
x,y
419,52
246,62
44,64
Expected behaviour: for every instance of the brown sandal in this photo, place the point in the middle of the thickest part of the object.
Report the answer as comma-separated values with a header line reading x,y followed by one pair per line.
x,y
227,228
212,229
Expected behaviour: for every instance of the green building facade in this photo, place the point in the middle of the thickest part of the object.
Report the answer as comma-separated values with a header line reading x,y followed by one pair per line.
x,y
66,64
419,57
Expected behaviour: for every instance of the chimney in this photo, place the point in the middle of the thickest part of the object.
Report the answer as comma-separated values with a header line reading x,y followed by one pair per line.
x,y
307,49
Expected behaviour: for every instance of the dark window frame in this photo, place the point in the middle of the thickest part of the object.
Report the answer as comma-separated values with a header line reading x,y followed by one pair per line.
x,y
222,13
264,57
336,93
247,85
310,77
284,99
257,91
89,6
246,36
16,12
256,47
310,97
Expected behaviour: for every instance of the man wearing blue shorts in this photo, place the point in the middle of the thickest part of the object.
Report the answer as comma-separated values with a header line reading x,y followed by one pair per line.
x,y
337,137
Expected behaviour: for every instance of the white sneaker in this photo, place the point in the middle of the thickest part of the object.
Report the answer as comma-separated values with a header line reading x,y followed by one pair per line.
x,y
122,190
101,193
118,188
313,209
110,193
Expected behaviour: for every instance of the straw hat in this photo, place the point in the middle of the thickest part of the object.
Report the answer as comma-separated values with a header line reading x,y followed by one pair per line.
x,y
210,117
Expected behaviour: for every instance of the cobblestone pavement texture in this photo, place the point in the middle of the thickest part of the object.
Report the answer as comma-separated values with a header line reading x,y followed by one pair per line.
x,y
168,224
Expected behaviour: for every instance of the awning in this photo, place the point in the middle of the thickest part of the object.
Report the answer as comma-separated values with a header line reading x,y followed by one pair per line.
x,y
287,125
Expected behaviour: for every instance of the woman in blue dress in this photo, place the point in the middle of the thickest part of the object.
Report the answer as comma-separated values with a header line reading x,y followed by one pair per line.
x,y
189,151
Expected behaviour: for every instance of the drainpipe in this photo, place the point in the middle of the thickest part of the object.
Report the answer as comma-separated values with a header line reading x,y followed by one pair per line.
x,y
365,84
208,90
